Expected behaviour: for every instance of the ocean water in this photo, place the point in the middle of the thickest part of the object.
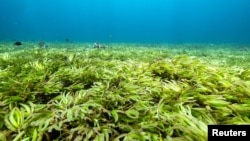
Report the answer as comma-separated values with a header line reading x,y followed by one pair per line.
x,y
168,21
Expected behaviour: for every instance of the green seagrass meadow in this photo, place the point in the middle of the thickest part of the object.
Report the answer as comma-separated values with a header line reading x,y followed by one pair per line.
x,y
125,92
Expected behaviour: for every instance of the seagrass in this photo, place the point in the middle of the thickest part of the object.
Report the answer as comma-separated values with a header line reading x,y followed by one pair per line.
x,y
127,92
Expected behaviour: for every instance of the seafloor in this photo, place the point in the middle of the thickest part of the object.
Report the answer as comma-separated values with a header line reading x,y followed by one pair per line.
x,y
143,92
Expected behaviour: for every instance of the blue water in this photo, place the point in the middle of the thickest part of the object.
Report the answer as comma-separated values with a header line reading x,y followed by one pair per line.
x,y
170,21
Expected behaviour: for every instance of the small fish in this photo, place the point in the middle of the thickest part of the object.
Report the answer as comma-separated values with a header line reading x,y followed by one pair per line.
x,y
18,43
42,44
97,45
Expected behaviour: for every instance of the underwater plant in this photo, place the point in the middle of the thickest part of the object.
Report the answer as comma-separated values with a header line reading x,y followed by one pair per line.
x,y
119,94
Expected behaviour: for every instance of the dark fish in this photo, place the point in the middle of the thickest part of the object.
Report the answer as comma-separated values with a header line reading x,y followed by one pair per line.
x,y
18,43
66,39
